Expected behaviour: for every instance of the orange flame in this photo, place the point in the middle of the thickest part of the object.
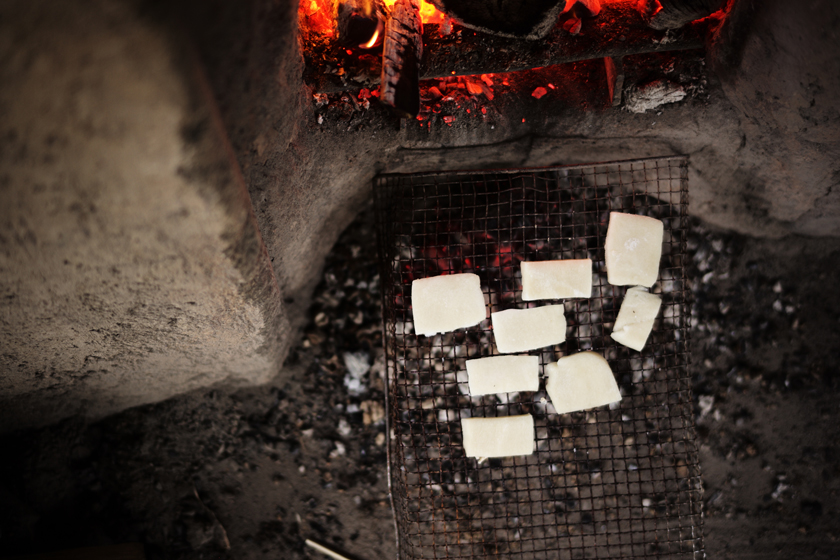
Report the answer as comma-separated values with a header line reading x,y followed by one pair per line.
x,y
317,16
370,44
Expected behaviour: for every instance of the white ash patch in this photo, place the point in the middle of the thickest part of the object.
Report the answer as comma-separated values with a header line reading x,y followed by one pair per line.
x,y
357,364
641,99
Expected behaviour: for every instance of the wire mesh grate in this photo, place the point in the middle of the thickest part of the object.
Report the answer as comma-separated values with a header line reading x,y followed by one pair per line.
x,y
612,482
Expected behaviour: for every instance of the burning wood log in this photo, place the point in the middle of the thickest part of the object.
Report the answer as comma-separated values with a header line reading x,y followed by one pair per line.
x,y
401,55
361,22
673,14
532,20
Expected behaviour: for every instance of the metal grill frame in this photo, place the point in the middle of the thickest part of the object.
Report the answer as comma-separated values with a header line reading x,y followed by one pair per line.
x,y
620,482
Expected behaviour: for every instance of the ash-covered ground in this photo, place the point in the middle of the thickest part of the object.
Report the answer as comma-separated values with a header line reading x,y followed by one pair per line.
x,y
251,473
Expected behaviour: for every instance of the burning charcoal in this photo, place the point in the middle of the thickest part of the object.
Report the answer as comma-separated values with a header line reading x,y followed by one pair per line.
x,y
539,92
573,25
614,67
579,9
473,86
583,8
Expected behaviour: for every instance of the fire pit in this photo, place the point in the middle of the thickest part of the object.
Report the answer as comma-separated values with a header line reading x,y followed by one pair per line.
x,y
337,61
617,482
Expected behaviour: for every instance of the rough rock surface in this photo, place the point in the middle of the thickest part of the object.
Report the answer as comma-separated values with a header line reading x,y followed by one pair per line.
x,y
131,265
782,77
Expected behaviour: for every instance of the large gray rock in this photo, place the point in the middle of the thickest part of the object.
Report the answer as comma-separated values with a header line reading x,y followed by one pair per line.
x,y
131,266
779,64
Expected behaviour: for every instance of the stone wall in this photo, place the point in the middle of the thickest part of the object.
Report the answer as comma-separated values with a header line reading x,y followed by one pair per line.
x,y
131,265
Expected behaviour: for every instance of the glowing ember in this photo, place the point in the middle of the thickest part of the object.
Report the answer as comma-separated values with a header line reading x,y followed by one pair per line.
x,y
317,16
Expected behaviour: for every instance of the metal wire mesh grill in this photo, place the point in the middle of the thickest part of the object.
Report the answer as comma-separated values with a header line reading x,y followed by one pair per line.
x,y
613,482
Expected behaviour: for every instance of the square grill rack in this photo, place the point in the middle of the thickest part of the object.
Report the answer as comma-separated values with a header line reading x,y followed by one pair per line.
x,y
612,482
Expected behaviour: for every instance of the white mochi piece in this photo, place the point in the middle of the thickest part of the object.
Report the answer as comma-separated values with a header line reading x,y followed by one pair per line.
x,y
570,278
635,318
580,381
503,374
505,436
445,303
633,249
520,330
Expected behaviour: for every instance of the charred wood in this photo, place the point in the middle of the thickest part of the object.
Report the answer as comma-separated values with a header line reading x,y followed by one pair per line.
x,y
577,10
533,19
401,55
621,31
673,14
